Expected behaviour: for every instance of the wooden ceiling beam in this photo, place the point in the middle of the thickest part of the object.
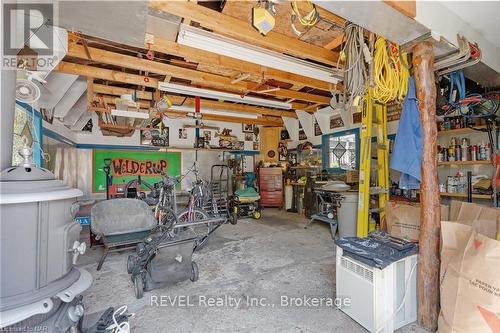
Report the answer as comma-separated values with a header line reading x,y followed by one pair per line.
x,y
240,108
110,100
241,30
118,59
106,74
264,121
205,103
203,79
209,58
334,43
118,91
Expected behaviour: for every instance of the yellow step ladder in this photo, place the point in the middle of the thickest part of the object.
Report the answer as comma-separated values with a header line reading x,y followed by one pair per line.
x,y
382,145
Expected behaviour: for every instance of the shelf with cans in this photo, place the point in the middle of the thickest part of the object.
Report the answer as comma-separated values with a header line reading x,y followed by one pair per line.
x,y
462,151
466,156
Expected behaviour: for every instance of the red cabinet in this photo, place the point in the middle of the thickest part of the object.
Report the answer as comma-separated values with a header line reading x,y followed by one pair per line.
x,y
271,187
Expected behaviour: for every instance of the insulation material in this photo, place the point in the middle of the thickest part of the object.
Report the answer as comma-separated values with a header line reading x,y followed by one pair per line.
x,y
292,126
307,121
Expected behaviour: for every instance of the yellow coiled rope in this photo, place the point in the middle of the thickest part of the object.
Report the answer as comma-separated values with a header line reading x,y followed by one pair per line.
x,y
390,72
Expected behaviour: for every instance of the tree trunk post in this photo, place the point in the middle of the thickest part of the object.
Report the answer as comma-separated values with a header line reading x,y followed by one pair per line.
x,y
430,217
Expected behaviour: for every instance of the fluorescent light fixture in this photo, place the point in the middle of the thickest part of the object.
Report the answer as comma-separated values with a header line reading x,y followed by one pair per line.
x,y
130,114
211,42
184,108
219,95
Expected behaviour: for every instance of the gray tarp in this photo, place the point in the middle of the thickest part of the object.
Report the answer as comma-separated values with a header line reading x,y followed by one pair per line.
x,y
373,252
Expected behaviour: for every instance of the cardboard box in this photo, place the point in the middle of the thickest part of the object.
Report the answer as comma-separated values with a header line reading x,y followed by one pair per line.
x,y
352,176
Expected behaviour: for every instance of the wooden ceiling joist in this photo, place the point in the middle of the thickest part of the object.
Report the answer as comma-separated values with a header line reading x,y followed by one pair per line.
x,y
241,30
177,100
118,91
335,42
110,100
203,57
264,121
190,102
203,79
106,74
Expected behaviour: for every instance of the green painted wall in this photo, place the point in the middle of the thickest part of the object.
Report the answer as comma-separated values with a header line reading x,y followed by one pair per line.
x,y
127,163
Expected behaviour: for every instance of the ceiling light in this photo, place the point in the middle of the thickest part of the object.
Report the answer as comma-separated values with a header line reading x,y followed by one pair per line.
x,y
130,114
211,42
219,95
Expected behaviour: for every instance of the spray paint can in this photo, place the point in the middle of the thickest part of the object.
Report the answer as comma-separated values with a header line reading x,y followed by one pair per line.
x,y
458,153
465,150
440,155
473,152
487,152
451,154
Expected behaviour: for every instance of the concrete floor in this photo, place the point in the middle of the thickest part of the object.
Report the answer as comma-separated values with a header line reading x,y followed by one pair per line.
x,y
269,258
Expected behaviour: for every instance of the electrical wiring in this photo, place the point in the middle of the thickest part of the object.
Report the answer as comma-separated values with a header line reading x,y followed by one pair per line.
x,y
355,72
310,18
36,139
390,72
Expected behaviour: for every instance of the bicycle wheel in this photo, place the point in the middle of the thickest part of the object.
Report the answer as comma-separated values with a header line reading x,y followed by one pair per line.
x,y
166,217
201,230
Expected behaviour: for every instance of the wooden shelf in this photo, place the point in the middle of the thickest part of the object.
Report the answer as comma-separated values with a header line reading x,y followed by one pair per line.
x,y
465,163
220,150
305,167
464,195
466,130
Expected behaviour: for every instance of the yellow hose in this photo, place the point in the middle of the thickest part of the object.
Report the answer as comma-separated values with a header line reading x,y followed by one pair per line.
x,y
389,74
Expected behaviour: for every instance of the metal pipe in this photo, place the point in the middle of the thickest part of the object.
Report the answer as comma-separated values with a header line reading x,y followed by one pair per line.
x,y
469,186
200,222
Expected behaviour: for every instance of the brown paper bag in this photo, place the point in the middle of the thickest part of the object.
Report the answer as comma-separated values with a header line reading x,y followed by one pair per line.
x,y
470,285
403,219
465,211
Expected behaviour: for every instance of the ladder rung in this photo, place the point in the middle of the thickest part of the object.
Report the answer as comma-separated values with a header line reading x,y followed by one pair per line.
x,y
376,210
377,190
381,146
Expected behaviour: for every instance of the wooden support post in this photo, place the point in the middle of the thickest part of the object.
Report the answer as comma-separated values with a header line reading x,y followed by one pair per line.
x,y
90,93
430,217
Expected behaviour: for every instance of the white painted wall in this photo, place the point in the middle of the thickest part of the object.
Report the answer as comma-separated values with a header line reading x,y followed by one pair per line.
x,y
205,159
478,21
392,128
174,125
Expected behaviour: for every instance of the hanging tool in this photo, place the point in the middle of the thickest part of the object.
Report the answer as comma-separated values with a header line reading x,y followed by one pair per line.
x,y
382,146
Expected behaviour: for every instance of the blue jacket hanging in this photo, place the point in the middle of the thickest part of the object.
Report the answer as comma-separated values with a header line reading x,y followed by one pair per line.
x,y
407,152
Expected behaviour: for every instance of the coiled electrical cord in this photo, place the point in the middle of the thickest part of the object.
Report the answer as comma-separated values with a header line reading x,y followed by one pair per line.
x,y
390,72
355,72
